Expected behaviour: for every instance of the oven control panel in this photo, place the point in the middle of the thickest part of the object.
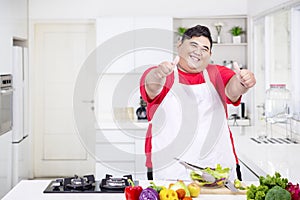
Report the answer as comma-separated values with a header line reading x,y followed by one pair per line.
x,y
5,80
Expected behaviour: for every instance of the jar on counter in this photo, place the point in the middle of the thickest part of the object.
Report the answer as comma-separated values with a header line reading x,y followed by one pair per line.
x,y
277,107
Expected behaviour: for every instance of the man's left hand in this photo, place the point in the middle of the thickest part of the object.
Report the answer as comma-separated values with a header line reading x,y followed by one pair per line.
x,y
245,76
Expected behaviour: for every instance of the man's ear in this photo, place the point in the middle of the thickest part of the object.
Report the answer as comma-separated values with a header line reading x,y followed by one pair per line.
x,y
179,43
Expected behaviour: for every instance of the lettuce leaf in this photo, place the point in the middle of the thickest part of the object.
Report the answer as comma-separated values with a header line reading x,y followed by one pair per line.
x,y
218,172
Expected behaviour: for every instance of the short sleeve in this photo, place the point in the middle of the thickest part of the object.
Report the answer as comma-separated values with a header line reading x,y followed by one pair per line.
x,y
226,75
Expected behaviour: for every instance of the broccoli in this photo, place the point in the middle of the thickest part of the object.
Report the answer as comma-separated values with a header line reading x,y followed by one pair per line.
x,y
278,193
266,184
260,195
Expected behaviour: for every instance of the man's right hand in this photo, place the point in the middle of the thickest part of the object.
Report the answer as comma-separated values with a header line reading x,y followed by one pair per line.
x,y
156,78
166,68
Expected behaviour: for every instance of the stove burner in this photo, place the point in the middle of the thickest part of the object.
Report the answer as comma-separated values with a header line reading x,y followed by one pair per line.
x,y
110,183
79,183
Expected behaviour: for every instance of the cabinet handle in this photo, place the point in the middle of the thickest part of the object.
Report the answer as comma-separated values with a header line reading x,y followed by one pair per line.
x,y
88,101
91,102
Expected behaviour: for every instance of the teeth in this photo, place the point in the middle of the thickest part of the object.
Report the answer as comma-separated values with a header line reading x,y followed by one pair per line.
x,y
195,58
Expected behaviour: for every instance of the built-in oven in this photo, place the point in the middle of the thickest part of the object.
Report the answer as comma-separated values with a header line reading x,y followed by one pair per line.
x,y
6,110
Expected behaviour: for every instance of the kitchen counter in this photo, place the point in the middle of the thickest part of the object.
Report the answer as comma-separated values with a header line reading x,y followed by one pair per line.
x,y
267,158
33,190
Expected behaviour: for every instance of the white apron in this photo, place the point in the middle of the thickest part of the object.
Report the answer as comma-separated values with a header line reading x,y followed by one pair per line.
x,y
190,124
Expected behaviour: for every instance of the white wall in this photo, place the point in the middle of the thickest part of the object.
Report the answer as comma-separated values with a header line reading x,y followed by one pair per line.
x,y
86,9
256,7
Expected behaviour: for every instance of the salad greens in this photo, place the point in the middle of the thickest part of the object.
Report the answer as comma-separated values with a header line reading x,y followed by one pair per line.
x,y
219,173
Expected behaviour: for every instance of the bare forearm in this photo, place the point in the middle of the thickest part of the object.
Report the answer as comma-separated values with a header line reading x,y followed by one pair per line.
x,y
239,84
234,89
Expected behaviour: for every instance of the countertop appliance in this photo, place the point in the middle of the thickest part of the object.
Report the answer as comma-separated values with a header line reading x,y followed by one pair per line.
x,y
88,184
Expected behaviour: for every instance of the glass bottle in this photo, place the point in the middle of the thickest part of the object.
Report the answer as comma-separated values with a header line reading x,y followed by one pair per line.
x,y
277,106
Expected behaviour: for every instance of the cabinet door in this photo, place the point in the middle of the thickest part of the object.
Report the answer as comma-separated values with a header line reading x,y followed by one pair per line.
x,y
153,41
6,163
115,42
106,168
13,24
19,16
118,33
140,157
115,153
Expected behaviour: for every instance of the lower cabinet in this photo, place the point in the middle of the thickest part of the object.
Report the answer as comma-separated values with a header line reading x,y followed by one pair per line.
x,y
120,152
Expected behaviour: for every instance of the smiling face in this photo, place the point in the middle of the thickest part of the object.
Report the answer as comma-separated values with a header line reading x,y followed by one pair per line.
x,y
194,54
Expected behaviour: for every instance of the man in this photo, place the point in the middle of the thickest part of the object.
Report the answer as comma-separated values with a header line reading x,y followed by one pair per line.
x,y
187,109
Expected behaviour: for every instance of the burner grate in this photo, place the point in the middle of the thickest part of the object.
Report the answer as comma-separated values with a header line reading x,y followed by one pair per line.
x,y
273,141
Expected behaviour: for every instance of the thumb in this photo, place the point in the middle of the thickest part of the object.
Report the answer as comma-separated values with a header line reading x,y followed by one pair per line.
x,y
236,68
176,60
238,72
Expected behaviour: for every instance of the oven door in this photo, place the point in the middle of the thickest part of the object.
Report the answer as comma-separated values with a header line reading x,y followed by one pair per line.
x,y
6,110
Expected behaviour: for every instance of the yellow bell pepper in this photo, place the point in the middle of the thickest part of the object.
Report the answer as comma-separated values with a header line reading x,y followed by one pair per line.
x,y
168,194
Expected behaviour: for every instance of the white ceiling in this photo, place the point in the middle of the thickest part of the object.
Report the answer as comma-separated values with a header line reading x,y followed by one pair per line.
x,y
83,9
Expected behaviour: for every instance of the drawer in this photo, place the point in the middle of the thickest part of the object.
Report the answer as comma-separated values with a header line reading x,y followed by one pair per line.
x,y
115,151
115,136
116,169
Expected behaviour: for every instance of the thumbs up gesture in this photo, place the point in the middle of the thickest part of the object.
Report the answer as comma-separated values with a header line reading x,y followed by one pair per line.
x,y
245,76
166,68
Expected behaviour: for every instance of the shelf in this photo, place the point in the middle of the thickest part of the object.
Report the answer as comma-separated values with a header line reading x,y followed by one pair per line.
x,y
239,122
230,44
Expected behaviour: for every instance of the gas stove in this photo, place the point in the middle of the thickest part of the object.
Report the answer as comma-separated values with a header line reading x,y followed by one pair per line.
x,y
88,184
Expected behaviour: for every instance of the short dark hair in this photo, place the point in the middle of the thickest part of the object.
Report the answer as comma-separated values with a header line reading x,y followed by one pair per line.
x,y
197,31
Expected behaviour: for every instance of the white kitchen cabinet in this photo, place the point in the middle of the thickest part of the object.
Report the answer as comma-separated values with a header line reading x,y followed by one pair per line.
x,y
130,45
13,24
6,163
120,151
113,33
19,17
140,157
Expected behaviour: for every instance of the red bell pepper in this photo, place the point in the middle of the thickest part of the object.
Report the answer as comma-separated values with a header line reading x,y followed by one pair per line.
x,y
132,192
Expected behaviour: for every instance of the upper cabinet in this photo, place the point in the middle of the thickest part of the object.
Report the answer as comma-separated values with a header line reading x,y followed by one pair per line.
x,y
13,24
19,18
225,48
132,44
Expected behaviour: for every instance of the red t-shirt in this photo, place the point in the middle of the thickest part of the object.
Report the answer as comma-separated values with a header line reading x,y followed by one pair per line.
x,y
219,76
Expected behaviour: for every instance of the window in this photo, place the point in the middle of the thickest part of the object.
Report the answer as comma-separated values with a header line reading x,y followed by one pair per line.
x,y
276,48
